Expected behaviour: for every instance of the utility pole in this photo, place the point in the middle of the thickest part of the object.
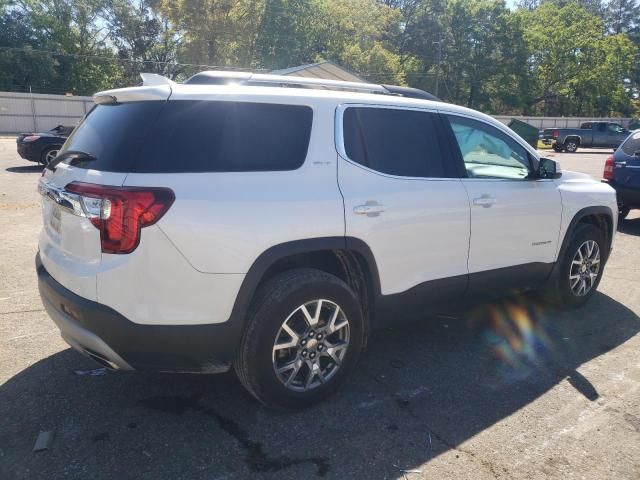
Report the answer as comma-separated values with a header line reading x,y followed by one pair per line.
x,y
439,42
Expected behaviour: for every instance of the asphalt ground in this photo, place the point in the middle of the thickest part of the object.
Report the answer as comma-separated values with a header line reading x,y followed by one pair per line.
x,y
512,389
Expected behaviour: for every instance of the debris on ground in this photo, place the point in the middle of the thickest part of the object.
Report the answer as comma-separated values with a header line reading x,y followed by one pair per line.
x,y
43,442
403,471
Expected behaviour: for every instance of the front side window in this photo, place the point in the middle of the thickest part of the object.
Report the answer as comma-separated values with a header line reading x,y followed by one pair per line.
x,y
393,141
487,152
613,128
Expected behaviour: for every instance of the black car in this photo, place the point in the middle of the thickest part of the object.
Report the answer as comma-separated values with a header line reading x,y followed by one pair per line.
x,y
42,147
622,172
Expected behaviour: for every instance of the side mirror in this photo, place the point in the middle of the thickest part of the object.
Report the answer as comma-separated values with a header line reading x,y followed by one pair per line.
x,y
548,168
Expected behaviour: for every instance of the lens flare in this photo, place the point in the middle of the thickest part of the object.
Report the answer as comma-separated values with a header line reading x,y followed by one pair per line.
x,y
517,333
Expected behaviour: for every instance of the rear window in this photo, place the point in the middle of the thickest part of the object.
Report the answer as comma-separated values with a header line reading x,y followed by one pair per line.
x,y
113,134
632,144
393,141
195,136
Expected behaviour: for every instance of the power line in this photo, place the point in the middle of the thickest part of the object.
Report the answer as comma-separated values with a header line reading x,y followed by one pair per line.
x,y
116,59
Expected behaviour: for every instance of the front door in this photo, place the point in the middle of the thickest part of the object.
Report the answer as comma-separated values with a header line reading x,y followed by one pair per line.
x,y
515,219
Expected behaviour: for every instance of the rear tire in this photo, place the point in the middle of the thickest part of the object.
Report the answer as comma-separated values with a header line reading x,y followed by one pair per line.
x,y
571,146
623,212
580,269
48,154
287,361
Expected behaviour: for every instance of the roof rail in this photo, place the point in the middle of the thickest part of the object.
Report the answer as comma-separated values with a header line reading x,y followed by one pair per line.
x,y
411,92
258,79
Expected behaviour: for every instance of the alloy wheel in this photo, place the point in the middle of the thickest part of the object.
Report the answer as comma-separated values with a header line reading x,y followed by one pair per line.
x,y
50,156
311,345
585,267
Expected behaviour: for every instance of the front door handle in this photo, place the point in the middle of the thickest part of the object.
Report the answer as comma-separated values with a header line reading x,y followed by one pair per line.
x,y
371,209
484,201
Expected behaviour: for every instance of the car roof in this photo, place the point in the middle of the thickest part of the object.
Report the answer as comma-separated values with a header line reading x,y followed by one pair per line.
x,y
160,88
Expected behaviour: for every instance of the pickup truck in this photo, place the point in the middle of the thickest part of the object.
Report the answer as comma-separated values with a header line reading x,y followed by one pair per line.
x,y
589,135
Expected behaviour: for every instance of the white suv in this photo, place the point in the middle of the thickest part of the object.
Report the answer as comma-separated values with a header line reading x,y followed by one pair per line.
x,y
246,221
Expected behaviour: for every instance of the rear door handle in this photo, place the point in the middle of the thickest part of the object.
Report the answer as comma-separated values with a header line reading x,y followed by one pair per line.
x,y
484,201
371,209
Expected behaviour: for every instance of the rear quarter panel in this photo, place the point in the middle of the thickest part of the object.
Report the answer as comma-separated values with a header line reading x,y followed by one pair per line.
x,y
221,222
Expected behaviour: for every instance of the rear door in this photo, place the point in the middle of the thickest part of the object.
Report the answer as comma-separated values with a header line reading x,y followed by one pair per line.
x,y
515,219
99,151
402,197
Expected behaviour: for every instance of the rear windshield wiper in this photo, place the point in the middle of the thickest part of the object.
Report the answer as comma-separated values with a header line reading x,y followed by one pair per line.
x,y
72,156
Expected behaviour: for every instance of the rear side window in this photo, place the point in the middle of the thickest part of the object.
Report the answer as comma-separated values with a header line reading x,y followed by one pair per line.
x,y
393,141
210,136
113,134
632,144
193,136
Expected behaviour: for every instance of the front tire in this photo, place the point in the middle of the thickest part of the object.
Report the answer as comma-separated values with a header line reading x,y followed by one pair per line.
x,y
557,148
304,335
580,268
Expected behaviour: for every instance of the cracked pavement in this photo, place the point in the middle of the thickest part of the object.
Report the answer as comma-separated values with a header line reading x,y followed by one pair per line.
x,y
511,389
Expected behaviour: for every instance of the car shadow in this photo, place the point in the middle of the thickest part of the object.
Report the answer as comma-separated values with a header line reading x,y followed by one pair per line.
x,y
630,226
420,390
36,168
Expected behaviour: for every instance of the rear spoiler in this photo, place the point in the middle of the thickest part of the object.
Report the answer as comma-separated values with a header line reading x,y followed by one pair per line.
x,y
154,87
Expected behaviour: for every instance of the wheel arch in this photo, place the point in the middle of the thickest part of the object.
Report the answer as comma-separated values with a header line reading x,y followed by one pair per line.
x,y
599,216
573,137
348,258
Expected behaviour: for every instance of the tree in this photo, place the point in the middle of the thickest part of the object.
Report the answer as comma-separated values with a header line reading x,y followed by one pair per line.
x,y
144,39
574,63
22,65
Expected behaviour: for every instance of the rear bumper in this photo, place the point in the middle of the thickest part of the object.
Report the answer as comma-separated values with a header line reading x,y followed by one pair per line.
x,y
629,197
103,334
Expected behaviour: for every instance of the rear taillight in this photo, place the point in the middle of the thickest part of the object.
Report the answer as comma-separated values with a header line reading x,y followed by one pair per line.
x,y
121,212
555,133
609,165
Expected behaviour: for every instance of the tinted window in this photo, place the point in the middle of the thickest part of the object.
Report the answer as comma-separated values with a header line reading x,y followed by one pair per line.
x,y
113,134
615,128
632,144
602,127
393,141
193,136
587,125
207,136
487,152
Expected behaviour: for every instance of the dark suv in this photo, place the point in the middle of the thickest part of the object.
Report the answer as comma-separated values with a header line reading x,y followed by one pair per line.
x,y
622,172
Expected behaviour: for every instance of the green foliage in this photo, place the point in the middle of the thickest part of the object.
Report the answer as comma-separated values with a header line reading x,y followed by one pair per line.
x,y
575,67
554,57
